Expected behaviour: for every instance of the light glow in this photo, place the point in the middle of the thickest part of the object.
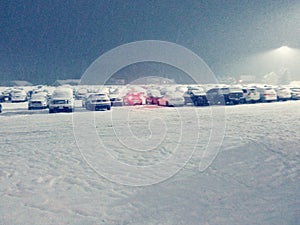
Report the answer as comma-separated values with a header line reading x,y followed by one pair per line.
x,y
284,49
281,60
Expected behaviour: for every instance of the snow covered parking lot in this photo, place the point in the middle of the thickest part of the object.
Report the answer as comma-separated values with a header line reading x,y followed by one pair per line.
x,y
52,173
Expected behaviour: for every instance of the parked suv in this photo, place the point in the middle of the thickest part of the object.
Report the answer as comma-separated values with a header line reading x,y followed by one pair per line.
x,y
283,94
267,94
251,95
195,95
62,100
225,96
38,101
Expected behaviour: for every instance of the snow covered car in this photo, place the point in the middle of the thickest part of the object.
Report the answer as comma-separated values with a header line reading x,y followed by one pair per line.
x,y
225,96
38,101
283,94
38,91
18,96
171,99
5,96
116,99
153,96
80,93
84,99
196,96
116,96
295,93
236,95
251,95
97,102
134,98
267,94
62,100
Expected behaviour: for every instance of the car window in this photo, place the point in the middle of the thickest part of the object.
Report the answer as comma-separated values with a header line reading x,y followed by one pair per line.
x,y
212,91
296,89
224,91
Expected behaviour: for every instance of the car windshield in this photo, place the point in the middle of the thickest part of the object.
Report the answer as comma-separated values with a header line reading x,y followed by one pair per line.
x,y
295,89
61,95
98,97
235,90
197,89
269,90
197,92
154,93
38,97
224,90
18,92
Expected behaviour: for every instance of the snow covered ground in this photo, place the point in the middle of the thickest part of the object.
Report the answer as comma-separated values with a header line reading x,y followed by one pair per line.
x,y
151,165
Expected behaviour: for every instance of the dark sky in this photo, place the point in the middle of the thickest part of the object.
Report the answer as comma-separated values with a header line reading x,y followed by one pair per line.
x,y
42,41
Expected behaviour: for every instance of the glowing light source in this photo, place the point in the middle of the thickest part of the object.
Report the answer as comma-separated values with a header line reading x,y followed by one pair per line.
x,y
284,49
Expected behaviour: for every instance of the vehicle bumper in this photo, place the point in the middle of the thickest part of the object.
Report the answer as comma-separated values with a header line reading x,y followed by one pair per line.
x,y
37,107
117,103
99,106
133,103
176,104
18,100
62,108
270,99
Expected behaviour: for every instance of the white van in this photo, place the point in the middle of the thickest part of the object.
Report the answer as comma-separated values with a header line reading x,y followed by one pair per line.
x,y
62,100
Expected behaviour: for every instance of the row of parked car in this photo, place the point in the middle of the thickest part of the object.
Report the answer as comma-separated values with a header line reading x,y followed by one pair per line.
x,y
191,95
13,95
62,99
200,96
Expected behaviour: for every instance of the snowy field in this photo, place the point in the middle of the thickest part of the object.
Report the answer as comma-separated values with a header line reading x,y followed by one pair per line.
x,y
151,165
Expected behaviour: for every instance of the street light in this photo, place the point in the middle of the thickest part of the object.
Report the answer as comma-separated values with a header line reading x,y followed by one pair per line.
x,y
284,56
